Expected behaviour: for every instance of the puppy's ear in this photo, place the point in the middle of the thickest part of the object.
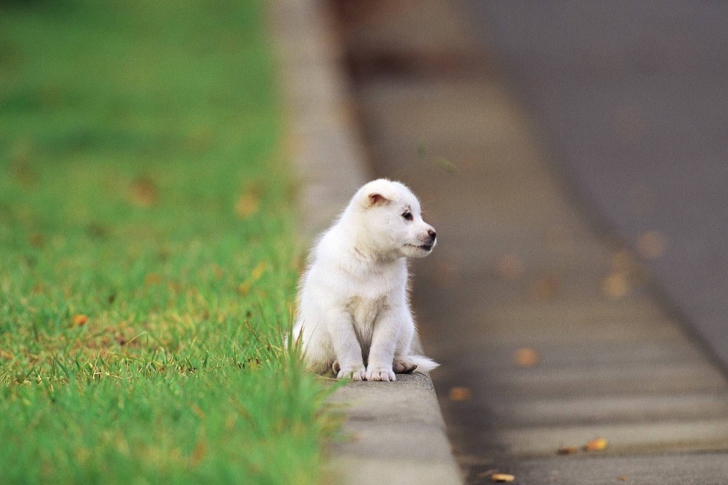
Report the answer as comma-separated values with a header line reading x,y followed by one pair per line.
x,y
375,198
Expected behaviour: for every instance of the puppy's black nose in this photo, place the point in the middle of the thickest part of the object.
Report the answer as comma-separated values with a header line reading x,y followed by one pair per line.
x,y
432,233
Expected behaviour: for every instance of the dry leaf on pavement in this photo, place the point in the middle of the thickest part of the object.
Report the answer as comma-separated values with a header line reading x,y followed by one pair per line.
x,y
458,394
567,450
511,266
502,477
526,357
651,245
598,444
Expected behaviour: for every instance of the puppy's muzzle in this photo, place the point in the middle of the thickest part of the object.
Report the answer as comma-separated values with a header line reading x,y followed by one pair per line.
x,y
430,242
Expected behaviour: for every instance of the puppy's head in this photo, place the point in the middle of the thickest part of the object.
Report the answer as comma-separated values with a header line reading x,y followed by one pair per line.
x,y
391,220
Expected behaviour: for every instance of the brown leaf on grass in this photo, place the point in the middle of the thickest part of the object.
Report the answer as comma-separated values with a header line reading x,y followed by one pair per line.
x,y
143,192
247,204
459,394
598,444
198,453
79,320
244,287
502,478
152,279
198,412
6,355
258,271
526,357
230,421
37,240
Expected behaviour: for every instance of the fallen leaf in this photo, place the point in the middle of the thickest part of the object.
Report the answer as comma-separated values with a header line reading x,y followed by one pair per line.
x,y
526,357
511,267
651,245
152,279
244,288
258,271
247,205
79,320
567,450
37,240
143,192
196,409
615,285
598,444
21,168
502,477
622,478
458,394
198,453
547,288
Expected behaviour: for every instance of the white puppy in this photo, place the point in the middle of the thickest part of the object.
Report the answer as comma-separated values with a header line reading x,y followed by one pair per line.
x,y
353,308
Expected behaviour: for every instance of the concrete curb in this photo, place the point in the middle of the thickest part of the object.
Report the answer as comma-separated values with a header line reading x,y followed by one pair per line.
x,y
397,428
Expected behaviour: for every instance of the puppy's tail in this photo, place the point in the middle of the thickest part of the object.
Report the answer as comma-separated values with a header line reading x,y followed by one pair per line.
x,y
423,363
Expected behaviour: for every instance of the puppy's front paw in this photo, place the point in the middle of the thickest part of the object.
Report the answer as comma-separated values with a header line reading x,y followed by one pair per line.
x,y
380,374
353,373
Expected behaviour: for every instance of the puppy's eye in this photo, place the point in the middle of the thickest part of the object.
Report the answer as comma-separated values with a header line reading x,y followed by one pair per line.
x,y
407,215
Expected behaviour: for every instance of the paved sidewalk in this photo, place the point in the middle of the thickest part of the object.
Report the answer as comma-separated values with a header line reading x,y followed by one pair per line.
x,y
396,434
548,333
635,95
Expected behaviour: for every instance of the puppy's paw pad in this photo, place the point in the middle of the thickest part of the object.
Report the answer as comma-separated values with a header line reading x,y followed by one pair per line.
x,y
402,366
380,374
355,374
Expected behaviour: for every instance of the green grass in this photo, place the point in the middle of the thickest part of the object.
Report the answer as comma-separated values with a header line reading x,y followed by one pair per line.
x,y
147,264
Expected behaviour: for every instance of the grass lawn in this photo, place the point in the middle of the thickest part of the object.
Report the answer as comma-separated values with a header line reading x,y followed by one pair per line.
x,y
147,264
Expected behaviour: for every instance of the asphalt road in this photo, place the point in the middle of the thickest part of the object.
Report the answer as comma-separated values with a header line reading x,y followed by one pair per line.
x,y
632,99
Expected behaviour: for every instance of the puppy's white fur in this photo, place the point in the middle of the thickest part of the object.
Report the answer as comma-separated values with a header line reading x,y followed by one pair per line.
x,y
353,307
